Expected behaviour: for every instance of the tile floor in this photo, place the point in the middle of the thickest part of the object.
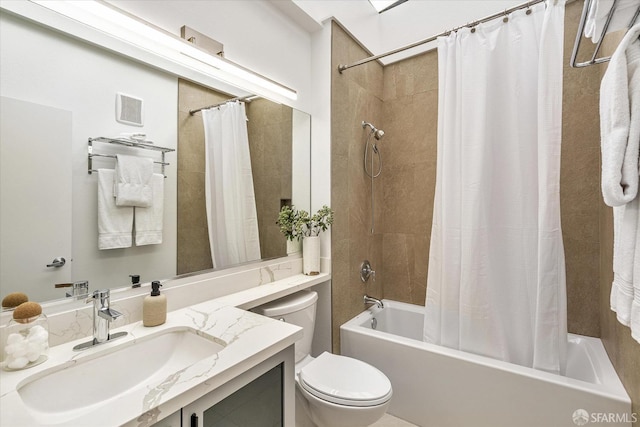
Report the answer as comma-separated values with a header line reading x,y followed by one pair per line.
x,y
391,421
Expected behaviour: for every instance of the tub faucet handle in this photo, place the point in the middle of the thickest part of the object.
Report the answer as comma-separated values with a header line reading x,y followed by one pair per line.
x,y
366,271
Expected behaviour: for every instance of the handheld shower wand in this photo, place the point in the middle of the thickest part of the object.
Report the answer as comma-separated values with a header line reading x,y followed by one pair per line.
x,y
377,134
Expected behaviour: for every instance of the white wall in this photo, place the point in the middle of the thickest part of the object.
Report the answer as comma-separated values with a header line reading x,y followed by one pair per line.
x,y
47,68
255,34
321,127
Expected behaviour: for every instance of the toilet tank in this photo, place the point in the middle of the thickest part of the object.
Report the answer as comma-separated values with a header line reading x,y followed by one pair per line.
x,y
298,309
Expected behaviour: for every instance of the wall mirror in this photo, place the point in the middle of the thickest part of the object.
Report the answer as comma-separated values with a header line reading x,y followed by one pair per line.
x,y
57,91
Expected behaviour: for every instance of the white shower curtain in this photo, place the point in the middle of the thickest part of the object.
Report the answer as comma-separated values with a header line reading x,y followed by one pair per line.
x,y
230,200
496,279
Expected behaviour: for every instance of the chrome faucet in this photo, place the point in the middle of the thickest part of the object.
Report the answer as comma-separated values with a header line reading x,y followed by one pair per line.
x,y
103,315
372,300
79,289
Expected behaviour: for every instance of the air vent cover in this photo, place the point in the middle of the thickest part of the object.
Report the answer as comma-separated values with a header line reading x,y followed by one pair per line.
x,y
129,109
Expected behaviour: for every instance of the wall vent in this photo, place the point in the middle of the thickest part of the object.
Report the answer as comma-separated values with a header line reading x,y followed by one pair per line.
x,y
129,109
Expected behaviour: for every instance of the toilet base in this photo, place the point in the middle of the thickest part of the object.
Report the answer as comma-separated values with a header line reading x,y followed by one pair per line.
x,y
326,414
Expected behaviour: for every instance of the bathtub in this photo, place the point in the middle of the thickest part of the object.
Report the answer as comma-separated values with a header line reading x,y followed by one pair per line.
x,y
435,386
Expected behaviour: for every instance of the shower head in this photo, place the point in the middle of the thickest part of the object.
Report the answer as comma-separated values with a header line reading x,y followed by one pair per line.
x,y
377,133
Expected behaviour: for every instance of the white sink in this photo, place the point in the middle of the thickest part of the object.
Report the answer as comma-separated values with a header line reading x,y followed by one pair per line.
x,y
65,392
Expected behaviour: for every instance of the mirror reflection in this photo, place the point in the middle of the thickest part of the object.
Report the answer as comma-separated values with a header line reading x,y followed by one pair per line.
x,y
57,92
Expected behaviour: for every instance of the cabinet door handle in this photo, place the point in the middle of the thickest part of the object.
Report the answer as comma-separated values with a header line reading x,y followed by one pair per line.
x,y
194,420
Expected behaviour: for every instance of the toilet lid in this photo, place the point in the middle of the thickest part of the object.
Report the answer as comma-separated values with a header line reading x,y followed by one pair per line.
x,y
345,381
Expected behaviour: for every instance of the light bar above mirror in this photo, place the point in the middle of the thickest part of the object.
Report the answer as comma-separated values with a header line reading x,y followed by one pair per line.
x,y
131,30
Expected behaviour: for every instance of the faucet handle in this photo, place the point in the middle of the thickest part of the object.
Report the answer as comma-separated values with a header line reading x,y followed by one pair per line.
x,y
98,294
366,271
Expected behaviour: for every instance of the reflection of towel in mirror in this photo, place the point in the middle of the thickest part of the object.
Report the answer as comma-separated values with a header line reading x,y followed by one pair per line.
x,y
149,220
115,223
132,185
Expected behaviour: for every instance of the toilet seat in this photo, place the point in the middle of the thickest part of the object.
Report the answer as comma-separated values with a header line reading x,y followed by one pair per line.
x,y
345,381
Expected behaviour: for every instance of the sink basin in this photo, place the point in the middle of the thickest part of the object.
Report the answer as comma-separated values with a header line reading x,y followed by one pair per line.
x,y
112,372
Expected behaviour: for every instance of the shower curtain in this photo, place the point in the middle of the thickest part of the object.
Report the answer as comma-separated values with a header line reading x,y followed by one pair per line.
x,y
496,278
230,200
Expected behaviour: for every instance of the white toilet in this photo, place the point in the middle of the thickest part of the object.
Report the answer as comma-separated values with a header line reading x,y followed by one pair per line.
x,y
335,391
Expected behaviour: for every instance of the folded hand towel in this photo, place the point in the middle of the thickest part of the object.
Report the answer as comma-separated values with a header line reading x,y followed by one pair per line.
x,y
149,220
115,224
133,181
620,122
599,11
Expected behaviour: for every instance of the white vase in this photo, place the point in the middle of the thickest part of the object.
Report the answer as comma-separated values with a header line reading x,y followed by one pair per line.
x,y
311,255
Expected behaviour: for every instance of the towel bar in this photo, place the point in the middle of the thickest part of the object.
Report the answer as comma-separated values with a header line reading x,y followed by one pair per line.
x,y
583,19
126,143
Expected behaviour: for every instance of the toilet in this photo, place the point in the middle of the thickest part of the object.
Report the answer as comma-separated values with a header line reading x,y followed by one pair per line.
x,y
333,390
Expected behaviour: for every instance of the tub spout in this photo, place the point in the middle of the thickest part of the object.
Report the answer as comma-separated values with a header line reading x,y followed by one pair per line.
x,y
372,300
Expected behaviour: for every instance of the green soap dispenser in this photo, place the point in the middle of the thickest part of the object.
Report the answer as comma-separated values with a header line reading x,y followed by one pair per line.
x,y
154,308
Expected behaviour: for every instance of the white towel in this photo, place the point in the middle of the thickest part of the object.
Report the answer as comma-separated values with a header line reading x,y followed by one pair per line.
x,y
620,132
115,223
620,122
635,305
597,17
133,181
149,220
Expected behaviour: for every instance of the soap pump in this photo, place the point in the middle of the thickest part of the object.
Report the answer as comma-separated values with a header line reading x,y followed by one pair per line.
x,y
154,308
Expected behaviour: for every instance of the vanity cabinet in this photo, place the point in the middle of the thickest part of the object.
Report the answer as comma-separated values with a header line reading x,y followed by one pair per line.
x,y
263,396
259,403
173,420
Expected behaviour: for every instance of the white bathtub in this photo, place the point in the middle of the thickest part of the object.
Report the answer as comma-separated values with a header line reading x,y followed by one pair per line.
x,y
435,386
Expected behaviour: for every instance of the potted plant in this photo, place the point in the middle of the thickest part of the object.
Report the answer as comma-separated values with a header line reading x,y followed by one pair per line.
x,y
298,224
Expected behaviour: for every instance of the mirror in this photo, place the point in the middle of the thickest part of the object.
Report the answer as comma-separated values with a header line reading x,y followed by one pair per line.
x,y
63,91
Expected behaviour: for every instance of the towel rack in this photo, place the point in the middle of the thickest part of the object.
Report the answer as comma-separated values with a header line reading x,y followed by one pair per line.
x,y
127,143
583,19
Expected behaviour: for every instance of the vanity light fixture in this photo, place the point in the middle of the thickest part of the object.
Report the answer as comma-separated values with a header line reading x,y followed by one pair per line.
x,y
126,27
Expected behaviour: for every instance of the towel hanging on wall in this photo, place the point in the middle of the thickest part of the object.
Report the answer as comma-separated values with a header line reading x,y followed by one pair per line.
x,y
149,221
620,139
114,222
132,186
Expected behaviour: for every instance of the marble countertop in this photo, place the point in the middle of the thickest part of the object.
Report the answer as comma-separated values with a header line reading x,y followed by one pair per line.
x,y
248,338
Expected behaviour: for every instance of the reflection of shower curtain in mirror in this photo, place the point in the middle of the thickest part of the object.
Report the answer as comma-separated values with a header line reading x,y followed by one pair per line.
x,y
230,199
496,278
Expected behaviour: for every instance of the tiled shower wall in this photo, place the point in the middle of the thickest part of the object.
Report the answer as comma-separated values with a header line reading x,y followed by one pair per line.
x,y
269,129
270,140
356,96
409,118
193,238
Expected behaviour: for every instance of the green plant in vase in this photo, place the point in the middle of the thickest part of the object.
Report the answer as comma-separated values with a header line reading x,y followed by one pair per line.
x,y
298,224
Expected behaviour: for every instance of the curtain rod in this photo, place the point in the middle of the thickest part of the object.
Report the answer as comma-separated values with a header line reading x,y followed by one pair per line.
x,y
247,98
527,5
